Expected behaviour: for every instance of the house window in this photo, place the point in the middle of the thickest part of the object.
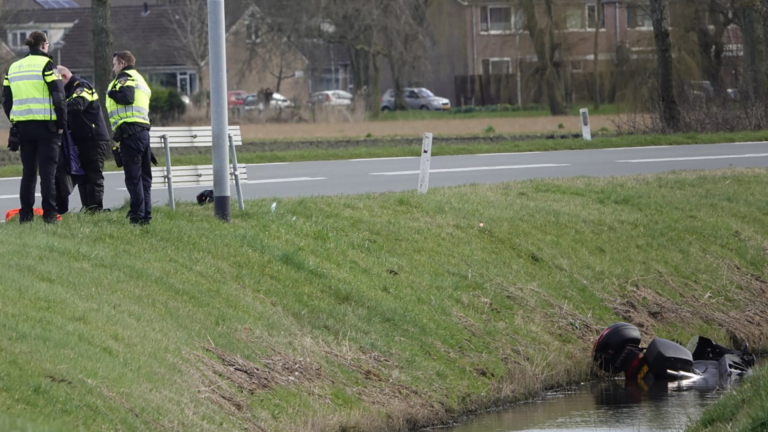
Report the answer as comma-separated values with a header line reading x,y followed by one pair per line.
x,y
592,16
252,31
574,18
499,19
497,66
187,83
639,17
16,38
580,17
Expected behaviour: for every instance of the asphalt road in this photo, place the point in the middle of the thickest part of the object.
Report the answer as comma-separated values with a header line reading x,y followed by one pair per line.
x,y
398,174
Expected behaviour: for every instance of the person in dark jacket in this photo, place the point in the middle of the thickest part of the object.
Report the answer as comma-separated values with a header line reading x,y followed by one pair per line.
x,y
33,99
89,132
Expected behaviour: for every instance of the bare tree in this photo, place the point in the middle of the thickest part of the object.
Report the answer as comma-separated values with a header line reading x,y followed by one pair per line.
x,y
708,22
598,25
189,19
102,48
546,46
750,18
271,57
670,113
273,30
371,30
405,40
357,25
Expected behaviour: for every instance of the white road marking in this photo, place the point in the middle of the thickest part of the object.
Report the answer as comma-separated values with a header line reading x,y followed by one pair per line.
x,y
506,154
283,180
692,158
266,164
394,173
15,196
636,148
379,159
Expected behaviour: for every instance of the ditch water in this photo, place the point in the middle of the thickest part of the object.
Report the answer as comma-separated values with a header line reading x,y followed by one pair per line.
x,y
604,406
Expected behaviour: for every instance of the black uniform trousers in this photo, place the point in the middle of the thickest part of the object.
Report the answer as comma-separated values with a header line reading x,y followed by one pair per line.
x,y
91,186
42,153
138,175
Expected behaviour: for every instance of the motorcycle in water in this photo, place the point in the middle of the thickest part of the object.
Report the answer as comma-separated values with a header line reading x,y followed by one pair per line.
x,y
702,364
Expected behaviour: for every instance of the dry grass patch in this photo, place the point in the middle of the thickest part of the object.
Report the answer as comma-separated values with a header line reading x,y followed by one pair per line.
x,y
647,309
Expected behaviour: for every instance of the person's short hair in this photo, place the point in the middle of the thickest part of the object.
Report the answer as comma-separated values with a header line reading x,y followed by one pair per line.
x,y
126,56
63,70
36,39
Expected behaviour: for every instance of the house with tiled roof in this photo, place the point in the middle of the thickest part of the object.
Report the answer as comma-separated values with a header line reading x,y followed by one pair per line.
x,y
152,32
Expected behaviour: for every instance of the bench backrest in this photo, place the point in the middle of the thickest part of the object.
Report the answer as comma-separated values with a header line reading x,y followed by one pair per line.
x,y
189,136
192,175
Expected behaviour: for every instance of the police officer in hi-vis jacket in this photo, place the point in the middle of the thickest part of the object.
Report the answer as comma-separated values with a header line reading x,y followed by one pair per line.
x,y
128,109
33,99
89,133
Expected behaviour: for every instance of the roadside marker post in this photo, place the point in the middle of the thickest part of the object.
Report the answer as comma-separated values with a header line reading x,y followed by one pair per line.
x,y
426,158
586,131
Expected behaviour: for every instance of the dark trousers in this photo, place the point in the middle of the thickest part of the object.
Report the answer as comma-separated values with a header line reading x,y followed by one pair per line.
x,y
91,185
64,185
42,153
138,175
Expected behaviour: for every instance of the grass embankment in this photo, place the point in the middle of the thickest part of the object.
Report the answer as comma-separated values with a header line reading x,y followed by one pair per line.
x,y
745,409
299,151
372,312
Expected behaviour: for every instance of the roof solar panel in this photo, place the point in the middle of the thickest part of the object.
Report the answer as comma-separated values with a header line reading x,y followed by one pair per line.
x,y
57,4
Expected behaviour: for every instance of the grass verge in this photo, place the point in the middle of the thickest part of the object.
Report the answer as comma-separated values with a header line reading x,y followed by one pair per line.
x,y
373,312
510,112
743,410
299,151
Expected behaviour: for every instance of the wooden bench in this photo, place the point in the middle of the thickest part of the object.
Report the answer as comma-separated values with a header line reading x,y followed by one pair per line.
x,y
199,175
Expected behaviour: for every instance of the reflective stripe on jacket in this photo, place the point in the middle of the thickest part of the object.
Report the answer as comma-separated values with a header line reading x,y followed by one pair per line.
x,y
136,113
29,84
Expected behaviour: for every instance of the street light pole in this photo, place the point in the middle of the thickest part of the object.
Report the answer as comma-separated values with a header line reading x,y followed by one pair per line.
x,y
217,64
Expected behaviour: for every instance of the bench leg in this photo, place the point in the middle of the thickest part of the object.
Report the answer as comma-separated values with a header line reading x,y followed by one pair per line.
x,y
168,175
239,189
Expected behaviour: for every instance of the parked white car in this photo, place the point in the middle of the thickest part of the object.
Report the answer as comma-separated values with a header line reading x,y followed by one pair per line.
x,y
332,98
280,101
252,102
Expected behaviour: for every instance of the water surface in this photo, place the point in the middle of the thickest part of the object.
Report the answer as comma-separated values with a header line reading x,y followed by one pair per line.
x,y
605,406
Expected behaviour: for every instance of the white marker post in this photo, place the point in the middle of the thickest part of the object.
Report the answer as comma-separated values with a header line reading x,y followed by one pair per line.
x,y
586,132
426,158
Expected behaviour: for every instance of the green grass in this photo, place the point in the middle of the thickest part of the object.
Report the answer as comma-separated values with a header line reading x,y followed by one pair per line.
x,y
253,156
743,410
254,153
609,109
375,312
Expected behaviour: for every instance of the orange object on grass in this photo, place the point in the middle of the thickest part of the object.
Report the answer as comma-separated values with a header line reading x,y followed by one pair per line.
x,y
38,212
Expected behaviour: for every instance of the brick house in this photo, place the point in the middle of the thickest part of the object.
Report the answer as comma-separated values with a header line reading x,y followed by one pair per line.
x,y
488,38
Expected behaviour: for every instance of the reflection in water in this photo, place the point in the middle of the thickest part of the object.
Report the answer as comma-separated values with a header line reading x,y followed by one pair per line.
x,y
605,406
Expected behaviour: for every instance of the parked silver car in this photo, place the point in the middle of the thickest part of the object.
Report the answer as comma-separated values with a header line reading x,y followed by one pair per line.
x,y
336,98
416,98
